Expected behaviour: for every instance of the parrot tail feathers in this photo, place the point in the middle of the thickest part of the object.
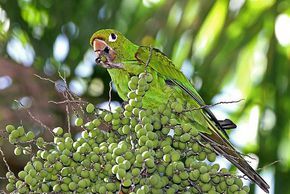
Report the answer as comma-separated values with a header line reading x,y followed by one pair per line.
x,y
224,148
227,124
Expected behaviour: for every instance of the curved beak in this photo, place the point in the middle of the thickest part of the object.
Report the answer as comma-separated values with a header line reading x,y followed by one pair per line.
x,y
105,54
103,51
99,45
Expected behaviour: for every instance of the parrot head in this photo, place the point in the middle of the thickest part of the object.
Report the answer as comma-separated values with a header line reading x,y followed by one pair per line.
x,y
112,48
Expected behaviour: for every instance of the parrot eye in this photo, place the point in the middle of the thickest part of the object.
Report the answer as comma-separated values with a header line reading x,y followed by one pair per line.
x,y
112,37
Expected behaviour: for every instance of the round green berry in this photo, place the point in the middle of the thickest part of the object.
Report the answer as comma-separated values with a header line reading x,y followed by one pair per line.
x,y
108,117
205,177
230,181
121,173
127,183
90,108
79,121
10,128
18,151
30,135
72,186
58,131
10,187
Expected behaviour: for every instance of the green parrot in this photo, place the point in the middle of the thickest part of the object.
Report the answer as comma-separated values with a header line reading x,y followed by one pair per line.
x,y
124,59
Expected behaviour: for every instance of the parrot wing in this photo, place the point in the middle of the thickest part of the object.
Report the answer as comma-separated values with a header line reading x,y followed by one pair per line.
x,y
154,58
161,64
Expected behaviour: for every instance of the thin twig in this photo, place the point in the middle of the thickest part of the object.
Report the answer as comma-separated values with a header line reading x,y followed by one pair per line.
x,y
4,160
247,155
67,101
62,77
72,96
268,165
2,191
212,105
45,79
35,119
150,56
39,122
67,106
229,174
67,118
110,95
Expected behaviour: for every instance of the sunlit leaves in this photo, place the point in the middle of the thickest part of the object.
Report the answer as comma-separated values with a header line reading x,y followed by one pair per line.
x,y
33,15
190,14
182,48
4,24
282,29
210,29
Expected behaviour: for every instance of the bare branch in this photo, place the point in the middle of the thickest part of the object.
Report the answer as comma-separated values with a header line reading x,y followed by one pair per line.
x,y
4,160
68,118
44,78
150,56
39,122
268,165
212,105
67,101
110,95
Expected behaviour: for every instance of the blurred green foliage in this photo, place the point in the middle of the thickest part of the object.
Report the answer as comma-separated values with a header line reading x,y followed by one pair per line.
x,y
237,48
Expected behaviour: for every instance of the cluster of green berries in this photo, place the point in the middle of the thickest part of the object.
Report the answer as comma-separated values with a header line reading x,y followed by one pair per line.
x,y
18,136
130,150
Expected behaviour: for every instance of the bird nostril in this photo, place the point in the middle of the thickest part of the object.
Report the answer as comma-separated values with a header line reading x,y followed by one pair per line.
x,y
106,50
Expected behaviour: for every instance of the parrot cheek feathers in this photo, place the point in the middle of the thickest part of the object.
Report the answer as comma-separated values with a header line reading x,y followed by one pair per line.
x,y
112,55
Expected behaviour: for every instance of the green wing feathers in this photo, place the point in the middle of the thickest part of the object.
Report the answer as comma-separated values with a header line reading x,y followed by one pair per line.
x,y
216,136
161,64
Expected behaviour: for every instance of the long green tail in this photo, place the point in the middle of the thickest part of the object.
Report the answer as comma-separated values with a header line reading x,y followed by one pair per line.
x,y
223,147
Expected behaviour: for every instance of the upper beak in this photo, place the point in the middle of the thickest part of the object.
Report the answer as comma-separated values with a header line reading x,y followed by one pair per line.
x,y
103,51
99,45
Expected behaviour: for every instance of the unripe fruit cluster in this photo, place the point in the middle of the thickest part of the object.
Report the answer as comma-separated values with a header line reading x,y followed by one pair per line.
x,y
144,151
